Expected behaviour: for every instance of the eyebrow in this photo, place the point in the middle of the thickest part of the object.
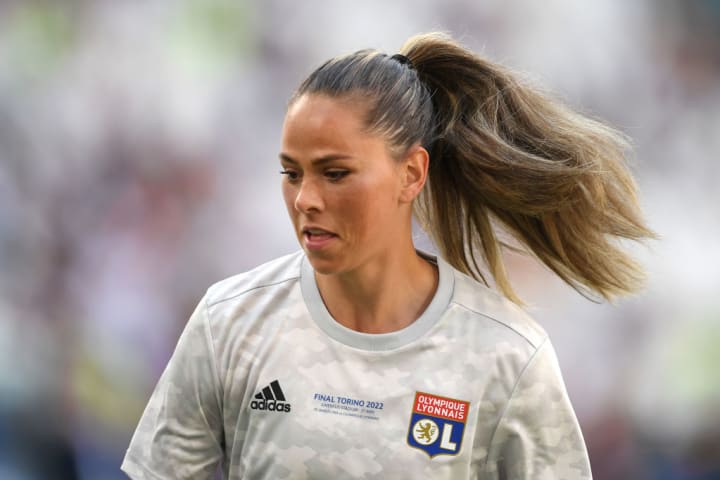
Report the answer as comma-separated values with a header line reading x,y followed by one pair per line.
x,y
317,161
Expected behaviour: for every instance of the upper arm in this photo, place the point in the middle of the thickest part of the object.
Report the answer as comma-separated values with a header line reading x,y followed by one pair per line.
x,y
538,435
180,434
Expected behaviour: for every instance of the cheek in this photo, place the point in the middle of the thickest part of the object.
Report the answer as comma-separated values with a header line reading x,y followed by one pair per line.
x,y
369,206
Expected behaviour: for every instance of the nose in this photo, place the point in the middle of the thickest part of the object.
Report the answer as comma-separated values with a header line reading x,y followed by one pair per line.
x,y
309,197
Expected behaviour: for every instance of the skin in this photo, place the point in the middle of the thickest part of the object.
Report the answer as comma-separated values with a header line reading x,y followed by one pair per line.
x,y
345,184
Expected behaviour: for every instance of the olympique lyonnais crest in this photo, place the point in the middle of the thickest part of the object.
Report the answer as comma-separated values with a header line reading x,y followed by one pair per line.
x,y
437,424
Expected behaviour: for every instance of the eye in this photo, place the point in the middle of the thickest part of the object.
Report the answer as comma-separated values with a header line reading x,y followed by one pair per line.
x,y
292,175
336,175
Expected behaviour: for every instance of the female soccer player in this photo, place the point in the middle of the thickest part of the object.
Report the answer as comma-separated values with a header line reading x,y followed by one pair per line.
x,y
362,357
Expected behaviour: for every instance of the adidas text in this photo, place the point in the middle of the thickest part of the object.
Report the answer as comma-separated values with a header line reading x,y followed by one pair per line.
x,y
270,405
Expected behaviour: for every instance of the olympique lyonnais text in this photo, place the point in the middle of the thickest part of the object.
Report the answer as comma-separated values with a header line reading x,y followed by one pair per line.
x,y
436,406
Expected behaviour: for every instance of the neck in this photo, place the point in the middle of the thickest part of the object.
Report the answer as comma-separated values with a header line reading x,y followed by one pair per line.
x,y
383,296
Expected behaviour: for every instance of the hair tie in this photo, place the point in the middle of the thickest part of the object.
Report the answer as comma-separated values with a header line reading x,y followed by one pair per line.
x,y
402,59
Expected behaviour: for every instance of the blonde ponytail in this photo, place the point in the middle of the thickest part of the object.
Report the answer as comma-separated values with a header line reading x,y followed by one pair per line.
x,y
556,180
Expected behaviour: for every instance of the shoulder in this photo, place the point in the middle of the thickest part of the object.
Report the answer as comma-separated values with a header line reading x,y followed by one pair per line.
x,y
275,273
507,319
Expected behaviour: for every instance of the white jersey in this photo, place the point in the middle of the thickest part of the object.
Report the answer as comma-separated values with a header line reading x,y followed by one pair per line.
x,y
265,383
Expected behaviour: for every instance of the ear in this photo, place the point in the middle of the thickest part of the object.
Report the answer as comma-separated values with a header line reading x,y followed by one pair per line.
x,y
414,171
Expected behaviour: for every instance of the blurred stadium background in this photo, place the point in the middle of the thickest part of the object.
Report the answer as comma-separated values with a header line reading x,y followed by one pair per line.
x,y
138,165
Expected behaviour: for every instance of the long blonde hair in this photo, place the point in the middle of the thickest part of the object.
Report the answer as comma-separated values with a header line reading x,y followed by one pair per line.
x,y
500,151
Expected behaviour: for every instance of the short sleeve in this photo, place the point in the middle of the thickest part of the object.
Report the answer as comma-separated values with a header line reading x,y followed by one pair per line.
x,y
180,434
538,435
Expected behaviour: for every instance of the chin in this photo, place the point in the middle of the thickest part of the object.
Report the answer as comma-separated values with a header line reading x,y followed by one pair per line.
x,y
325,265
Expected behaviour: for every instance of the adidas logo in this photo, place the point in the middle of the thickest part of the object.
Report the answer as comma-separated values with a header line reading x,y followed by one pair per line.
x,y
271,398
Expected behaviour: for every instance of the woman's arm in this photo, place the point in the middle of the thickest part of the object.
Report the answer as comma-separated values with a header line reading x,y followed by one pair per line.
x,y
180,434
538,435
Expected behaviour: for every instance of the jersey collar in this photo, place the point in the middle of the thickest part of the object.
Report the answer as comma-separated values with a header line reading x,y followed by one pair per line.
x,y
378,341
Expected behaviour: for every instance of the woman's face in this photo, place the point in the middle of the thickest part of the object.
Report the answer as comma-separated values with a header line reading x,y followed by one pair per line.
x,y
342,188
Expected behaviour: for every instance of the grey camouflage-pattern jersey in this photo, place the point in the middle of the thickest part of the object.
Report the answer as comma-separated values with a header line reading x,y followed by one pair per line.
x,y
267,385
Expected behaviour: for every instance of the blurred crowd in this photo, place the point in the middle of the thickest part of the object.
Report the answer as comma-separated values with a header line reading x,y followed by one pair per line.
x,y
138,165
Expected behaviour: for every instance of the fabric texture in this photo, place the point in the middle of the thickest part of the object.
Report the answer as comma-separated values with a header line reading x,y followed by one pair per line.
x,y
264,384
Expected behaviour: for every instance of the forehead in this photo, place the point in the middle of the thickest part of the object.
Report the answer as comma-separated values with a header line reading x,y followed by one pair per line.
x,y
325,122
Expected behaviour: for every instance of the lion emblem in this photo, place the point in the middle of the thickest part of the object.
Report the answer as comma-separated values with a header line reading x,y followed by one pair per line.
x,y
425,431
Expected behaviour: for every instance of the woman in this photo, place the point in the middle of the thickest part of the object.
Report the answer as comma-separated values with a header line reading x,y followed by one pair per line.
x,y
361,357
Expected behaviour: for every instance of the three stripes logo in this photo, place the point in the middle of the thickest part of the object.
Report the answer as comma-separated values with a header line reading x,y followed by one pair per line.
x,y
271,398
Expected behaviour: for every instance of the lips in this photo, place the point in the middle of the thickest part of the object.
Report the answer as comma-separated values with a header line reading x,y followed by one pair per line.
x,y
318,234
317,238
315,231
